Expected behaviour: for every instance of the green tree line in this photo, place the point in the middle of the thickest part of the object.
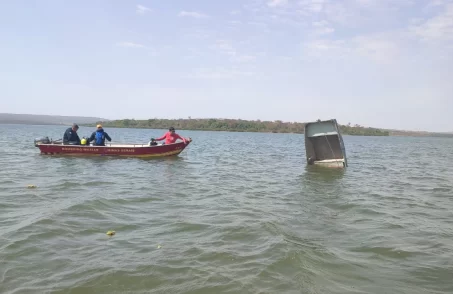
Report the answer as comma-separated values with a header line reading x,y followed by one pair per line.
x,y
235,125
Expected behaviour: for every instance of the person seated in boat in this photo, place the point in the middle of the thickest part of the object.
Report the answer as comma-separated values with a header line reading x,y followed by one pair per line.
x,y
70,136
171,137
152,142
99,136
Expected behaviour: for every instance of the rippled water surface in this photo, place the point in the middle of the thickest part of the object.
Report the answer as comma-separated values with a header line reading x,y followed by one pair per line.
x,y
234,213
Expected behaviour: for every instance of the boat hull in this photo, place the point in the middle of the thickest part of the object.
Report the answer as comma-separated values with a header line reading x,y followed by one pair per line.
x,y
324,144
116,150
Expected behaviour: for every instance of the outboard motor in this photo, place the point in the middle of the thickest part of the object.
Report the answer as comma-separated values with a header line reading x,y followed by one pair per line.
x,y
43,140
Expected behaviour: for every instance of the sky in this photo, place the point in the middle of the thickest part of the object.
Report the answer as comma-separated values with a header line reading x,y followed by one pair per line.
x,y
377,63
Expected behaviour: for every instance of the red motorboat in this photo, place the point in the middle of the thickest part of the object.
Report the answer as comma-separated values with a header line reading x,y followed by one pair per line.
x,y
49,147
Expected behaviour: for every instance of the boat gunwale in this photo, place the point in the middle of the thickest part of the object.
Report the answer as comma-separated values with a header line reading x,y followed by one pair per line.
x,y
126,145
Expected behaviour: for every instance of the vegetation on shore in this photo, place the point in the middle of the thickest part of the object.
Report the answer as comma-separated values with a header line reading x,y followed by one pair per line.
x,y
235,125
232,125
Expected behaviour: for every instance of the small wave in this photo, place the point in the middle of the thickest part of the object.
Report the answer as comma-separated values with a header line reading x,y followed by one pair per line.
x,y
393,253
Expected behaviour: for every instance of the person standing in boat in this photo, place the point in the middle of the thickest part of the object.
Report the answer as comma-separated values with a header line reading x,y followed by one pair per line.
x,y
70,136
99,136
171,137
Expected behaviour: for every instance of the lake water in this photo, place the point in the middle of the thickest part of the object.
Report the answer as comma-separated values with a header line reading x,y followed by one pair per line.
x,y
234,213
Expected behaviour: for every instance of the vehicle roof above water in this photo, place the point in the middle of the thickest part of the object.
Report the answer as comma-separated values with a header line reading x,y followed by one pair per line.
x,y
320,128
333,120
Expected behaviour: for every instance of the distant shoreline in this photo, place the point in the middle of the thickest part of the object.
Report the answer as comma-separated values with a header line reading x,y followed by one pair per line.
x,y
254,126
207,124
38,119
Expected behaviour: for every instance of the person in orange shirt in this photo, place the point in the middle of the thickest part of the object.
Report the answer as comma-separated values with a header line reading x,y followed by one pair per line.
x,y
171,137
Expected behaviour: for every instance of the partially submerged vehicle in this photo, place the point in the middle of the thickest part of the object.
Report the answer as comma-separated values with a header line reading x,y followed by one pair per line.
x,y
324,144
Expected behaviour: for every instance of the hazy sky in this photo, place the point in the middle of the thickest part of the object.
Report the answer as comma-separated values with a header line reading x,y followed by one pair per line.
x,y
381,63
